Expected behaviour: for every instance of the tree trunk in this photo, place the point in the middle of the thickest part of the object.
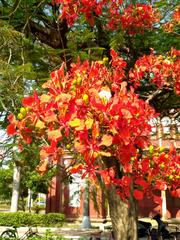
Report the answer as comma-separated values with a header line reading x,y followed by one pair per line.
x,y
123,216
15,190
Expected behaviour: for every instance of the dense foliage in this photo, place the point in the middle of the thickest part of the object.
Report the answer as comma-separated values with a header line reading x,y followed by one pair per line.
x,y
90,110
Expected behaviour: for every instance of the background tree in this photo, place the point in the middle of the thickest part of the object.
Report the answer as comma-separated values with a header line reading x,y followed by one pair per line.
x,y
24,66
6,184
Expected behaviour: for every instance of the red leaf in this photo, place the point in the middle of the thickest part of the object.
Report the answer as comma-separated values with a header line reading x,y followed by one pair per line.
x,y
157,199
127,168
27,139
176,193
145,165
126,181
111,173
12,118
11,129
160,185
138,194
141,182
28,101
31,100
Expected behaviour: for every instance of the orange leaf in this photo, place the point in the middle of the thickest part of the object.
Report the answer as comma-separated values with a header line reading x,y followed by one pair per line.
x,y
76,168
42,168
43,154
50,117
79,147
106,140
126,113
95,130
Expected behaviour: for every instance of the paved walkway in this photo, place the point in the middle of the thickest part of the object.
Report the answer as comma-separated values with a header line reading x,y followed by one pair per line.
x,y
98,229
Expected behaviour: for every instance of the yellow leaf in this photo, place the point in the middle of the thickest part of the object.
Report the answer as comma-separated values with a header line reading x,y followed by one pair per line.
x,y
89,123
75,123
40,124
81,126
54,134
106,154
113,130
45,98
106,140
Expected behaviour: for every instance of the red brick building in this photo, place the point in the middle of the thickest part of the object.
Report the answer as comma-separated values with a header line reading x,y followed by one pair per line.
x,y
68,199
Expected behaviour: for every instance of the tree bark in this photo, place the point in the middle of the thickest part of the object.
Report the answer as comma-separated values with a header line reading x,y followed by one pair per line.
x,y
123,216
54,36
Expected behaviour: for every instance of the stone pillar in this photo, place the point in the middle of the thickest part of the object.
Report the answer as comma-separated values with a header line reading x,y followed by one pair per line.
x,y
86,216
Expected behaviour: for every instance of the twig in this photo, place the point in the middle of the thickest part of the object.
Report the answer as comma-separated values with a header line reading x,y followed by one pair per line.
x,y
10,55
157,92
15,7
4,107
32,15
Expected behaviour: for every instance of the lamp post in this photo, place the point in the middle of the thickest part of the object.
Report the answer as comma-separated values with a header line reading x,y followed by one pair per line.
x,y
105,95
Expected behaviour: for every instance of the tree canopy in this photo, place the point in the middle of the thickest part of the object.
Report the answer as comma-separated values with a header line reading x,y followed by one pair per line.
x,y
40,35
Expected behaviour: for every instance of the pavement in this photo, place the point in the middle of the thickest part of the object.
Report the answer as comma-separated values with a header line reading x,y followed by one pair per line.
x,y
73,231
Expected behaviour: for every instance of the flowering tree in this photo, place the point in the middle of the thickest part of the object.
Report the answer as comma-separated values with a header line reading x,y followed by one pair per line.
x,y
93,111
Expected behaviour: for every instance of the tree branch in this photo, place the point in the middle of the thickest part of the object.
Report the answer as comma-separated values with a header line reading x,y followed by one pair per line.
x,y
51,36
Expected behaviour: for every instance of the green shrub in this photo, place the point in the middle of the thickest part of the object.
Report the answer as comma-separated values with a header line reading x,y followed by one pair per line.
x,y
37,208
52,219
31,219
